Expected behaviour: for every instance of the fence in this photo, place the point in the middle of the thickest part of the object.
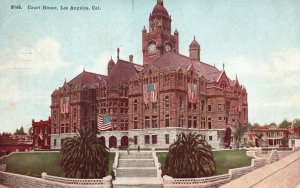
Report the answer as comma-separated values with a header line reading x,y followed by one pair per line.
x,y
22,181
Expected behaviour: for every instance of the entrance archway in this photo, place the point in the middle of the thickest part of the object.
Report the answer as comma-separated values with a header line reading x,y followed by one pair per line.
x,y
112,142
124,141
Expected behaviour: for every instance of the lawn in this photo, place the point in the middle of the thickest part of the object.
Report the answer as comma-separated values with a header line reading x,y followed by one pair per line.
x,y
33,164
225,160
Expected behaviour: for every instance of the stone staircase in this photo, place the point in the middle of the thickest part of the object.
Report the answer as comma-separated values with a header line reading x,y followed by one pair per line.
x,y
137,169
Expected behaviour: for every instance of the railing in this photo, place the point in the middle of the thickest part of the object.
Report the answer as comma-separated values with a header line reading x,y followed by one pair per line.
x,y
157,164
105,181
115,164
214,181
193,181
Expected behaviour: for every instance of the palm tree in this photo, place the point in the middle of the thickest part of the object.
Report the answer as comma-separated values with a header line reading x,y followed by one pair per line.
x,y
238,134
83,156
189,157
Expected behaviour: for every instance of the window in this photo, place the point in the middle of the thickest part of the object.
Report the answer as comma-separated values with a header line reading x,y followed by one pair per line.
x,y
195,106
54,128
62,128
219,107
167,102
167,120
54,142
146,107
209,108
210,138
167,138
154,139
181,101
135,105
154,106
189,106
135,123
74,128
147,139
154,121
209,124
220,118
190,122
181,120
202,122
147,122
135,140
202,105
233,120
195,121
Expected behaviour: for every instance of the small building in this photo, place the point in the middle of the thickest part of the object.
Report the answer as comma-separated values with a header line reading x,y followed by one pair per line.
x,y
294,141
41,133
271,135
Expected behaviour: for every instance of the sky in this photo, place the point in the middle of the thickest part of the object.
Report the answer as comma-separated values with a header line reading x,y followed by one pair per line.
x,y
257,40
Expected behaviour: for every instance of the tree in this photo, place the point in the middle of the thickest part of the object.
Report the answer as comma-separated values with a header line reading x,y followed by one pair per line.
x,y
272,124
30,131
285,124
20,131
296,123
189,157
238,134
227,137
83,156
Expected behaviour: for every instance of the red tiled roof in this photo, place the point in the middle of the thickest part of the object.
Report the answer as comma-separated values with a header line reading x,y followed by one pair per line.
x,y
86,79
122,72
173,61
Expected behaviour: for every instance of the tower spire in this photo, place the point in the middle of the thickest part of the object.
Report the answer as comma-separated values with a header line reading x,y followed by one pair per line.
x,y
118,53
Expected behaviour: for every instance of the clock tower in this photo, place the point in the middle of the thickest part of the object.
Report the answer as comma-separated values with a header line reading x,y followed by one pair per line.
x,y
159,38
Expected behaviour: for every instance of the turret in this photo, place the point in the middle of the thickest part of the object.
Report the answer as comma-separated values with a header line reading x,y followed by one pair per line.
x,y
110,66
194,50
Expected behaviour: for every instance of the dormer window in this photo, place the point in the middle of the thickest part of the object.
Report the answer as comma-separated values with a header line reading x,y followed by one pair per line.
x,y
151,47
223,85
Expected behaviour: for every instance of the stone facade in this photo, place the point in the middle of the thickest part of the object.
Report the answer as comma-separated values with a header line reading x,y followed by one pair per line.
x,y
167,94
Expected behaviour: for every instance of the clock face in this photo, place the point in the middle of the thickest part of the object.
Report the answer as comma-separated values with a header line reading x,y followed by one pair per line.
x,y
167,47
152,47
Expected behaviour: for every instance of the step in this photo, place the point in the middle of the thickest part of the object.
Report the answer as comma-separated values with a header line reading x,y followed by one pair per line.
x,y
136,163
144,182
136,172
135,156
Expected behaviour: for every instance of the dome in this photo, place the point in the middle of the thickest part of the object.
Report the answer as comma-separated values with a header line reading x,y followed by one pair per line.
x,y
111,61
194,44
159,9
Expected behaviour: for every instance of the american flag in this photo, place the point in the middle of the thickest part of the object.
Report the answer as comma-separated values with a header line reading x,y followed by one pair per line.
x,y
192,93
104,122
64,105
150,92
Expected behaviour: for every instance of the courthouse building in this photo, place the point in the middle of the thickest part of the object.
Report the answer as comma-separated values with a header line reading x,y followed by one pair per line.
x,y
152,102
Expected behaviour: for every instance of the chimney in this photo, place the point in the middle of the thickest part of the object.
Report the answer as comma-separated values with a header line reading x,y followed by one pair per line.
x,y
131,58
